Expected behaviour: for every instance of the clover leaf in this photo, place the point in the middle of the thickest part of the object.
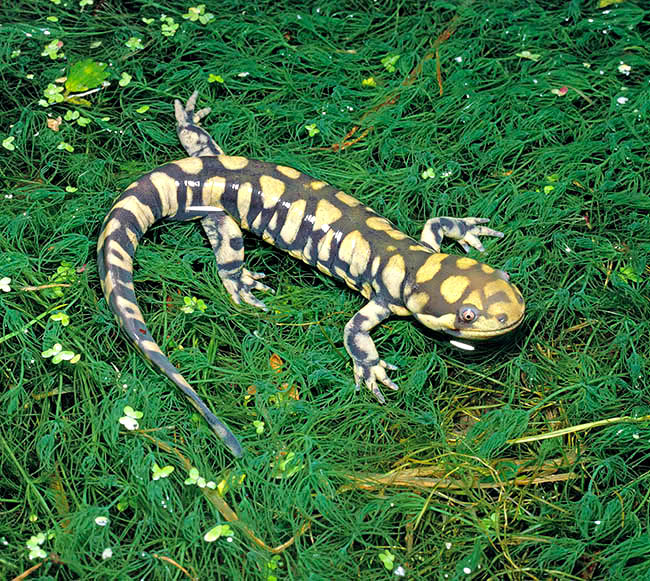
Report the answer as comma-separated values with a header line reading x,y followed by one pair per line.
x,y
159,472
219,531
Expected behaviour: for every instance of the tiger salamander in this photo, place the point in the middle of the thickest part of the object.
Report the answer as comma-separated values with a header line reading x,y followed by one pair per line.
x,y
318,224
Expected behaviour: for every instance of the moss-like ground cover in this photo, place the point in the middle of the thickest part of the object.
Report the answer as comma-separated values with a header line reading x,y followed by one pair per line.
x,y
527,459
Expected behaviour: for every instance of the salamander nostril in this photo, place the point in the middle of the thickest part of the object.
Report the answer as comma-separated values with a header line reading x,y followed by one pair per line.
x,y
502,318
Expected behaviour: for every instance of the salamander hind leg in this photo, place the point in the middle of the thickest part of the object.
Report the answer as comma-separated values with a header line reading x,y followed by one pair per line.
x,y
464,230
228,245
196,140
368,367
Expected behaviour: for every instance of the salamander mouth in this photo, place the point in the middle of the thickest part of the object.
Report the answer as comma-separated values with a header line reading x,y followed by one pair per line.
x,y
482,334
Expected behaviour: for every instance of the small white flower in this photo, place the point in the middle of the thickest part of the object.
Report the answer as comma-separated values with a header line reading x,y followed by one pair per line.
x,y
459,59
624,69
131,417
447,545
129,423
4,284
622,100
467,571
101,521
107,553
36,553
36,540
399,572
597,522
636,436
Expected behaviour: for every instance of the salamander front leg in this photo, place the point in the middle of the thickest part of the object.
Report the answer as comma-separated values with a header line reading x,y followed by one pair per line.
x,y
228,245
368,367
196,140
464,230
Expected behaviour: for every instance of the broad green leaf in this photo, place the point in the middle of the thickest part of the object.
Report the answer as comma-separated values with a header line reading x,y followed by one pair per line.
x,y
84,75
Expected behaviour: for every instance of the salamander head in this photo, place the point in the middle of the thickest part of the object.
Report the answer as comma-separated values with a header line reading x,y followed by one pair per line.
x,y
464,298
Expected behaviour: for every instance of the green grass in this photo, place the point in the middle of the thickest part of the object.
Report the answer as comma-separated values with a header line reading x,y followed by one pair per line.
x,y
451,478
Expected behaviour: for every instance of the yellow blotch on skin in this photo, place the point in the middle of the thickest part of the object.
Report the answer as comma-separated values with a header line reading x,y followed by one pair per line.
x,y
115,255
189,196
290,172
393,275
130,234
355,251
437,323
272,190
474,298
396,234
191,165
506,306
244,202
212,191
326,213
375,265
292,223
130,308
464,263
497,286
112,225
487,269
149,346
140,210
453,287
347,200
417,301
107,285
399,311
307,250
316,185
325,247
342,274
232,162
257,222
430,268
323,269
378,223
167,192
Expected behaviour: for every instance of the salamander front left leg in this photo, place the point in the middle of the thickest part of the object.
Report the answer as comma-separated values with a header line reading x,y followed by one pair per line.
x,y
368,367
464,230
228,245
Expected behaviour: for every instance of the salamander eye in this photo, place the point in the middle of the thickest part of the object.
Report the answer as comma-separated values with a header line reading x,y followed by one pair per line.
x,y
467,314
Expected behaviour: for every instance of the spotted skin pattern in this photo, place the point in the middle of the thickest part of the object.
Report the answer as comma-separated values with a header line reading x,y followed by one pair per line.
x,y
316,223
